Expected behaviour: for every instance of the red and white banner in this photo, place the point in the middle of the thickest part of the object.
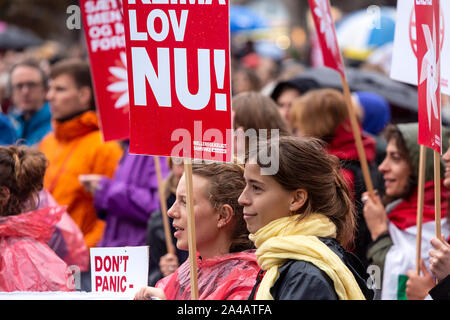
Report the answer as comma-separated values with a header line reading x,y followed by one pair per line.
x,y
104,31
119,270
326,32
404,54
179,78
428,66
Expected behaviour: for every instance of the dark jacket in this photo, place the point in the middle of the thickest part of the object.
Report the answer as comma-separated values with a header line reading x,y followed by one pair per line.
x,y
156,240
301,280
442,290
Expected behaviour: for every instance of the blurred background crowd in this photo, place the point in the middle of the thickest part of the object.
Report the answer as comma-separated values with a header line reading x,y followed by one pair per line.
x,y
276,65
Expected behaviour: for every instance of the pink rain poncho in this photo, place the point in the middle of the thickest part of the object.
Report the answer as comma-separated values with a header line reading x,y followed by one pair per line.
x,y
67,240
26,262
228,277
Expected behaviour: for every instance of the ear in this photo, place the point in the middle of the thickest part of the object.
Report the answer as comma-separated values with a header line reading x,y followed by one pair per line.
x,y
226,213
298,199
85,95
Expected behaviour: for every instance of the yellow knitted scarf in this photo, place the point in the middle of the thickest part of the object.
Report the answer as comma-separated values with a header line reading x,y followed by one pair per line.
x,y
289,239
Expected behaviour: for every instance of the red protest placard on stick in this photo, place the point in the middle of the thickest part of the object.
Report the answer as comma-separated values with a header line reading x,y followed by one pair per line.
x,y
179,78
104,31
326,32
428,62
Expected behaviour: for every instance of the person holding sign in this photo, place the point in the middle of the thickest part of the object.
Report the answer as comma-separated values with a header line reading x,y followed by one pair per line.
x,y
440,266
226,265
393,228
323,114
418,286
27,262
76,147
300,219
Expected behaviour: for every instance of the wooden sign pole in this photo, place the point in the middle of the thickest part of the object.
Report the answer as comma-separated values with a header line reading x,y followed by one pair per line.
x,y
437,192
420,188
169,244
357,136
191,228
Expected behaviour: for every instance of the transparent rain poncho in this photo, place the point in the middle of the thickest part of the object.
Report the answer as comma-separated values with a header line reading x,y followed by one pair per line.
x,y
228,277
26,261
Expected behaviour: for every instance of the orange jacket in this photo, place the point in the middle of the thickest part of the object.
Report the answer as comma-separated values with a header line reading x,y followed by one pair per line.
x,y
76,147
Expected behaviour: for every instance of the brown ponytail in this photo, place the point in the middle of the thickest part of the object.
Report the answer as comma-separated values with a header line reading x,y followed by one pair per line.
x,y
226,183
22,172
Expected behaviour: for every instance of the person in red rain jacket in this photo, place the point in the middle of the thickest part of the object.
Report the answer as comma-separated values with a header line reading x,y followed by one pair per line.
x,y
227,266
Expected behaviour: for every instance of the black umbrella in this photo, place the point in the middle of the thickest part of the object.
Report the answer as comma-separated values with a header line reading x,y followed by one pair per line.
x,y
14,37
396,93
402,97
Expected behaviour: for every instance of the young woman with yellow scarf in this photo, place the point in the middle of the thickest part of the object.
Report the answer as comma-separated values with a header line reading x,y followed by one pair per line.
x,y
299,219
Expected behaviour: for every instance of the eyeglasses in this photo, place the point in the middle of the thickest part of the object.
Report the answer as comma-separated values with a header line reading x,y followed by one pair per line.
x,y
31,85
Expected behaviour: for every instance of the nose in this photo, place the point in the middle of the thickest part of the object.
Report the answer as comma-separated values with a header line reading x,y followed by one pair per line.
x,y
49,95
446,156
243,199
383,167
173,212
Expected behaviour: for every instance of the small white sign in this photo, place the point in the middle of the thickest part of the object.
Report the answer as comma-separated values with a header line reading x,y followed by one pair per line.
x,y
120,270
404,60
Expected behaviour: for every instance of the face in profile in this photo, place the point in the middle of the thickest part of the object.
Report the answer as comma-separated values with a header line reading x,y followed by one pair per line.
x,y
66,98
206,217
395,170
284,102
263,199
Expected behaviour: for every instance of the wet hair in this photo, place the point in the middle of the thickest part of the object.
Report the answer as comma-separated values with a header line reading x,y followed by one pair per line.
x,y
22,172
252,78
305,164
318,113
255,111
226,183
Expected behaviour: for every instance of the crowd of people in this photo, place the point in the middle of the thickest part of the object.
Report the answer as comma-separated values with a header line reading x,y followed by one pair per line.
x,y
308,231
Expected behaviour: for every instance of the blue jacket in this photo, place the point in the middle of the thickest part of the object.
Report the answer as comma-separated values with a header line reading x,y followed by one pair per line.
x,y
7,133
36,128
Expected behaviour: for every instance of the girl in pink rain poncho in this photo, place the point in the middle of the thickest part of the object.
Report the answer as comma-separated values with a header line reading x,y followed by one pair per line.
x,y
26,261
227,266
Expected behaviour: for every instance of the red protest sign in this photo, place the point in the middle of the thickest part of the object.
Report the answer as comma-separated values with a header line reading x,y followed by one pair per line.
x,y
326,32
179,78
428,65
104,32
